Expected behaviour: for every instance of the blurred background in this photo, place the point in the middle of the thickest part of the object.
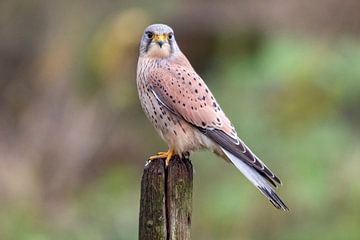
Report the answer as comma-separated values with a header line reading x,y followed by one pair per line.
x,y
74,140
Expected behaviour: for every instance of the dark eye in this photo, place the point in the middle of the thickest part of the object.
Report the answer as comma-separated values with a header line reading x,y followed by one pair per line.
x,y
149,34
170,36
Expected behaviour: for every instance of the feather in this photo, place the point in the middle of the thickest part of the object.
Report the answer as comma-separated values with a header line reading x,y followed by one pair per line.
x,y
182,92
241,151
255,178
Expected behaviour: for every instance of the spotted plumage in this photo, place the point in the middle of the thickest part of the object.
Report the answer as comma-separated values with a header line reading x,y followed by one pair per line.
x,y
186,114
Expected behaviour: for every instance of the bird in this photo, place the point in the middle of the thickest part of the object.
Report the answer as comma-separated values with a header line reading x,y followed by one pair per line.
x,y
185,113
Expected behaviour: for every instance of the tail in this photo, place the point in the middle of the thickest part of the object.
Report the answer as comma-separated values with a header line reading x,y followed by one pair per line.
x,y
257,179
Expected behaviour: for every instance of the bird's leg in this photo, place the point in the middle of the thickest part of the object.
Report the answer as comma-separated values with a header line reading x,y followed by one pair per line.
x,y
171,153
162,153
167,155
159,155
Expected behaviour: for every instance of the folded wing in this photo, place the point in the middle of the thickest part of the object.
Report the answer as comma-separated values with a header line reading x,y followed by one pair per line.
x,y
184,93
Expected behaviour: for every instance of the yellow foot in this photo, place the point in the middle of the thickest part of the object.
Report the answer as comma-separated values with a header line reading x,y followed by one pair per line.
x,y
160,155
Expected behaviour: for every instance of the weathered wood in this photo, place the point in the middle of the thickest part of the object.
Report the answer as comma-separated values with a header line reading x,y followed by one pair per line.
x,y
166,200
179,198
152,221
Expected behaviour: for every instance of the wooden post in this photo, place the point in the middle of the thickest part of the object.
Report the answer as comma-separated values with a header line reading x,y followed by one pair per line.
x,y
166,200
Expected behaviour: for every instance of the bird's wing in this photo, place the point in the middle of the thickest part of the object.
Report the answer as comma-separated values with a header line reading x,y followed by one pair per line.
x,y
184,93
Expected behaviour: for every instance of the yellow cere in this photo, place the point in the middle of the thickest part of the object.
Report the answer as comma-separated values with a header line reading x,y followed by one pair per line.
x,y
161,37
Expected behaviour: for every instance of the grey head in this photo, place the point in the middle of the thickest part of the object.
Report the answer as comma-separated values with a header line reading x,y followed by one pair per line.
x,y
158,41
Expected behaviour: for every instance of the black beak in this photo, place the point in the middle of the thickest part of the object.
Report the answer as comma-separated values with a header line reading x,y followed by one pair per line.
x,y
160,43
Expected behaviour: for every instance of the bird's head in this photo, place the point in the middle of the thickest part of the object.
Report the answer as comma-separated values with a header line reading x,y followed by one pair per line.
x,y
158,41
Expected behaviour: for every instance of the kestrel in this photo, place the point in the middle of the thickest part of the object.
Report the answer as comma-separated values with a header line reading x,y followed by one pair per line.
x,y
186,114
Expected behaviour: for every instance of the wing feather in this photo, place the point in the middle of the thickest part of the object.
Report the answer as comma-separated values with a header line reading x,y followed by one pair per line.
x,y
183,91
185,94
